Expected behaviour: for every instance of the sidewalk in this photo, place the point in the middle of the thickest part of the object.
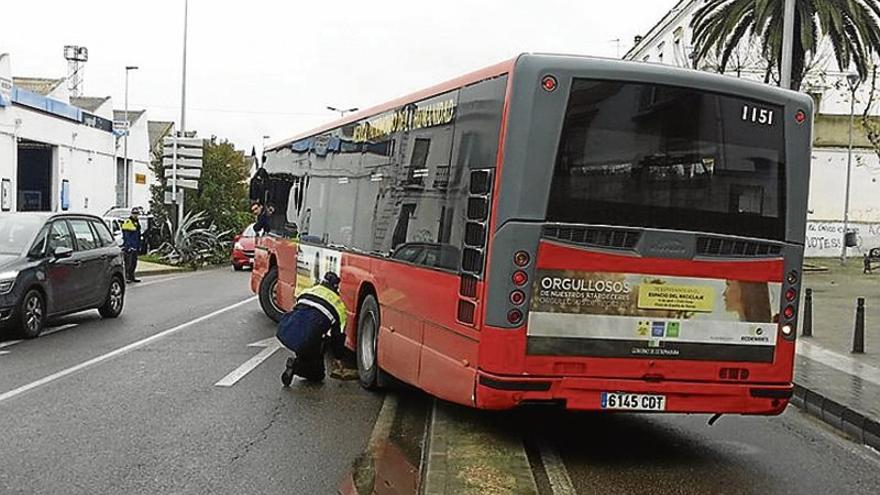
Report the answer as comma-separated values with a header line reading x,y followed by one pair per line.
x,y
841,388
146,268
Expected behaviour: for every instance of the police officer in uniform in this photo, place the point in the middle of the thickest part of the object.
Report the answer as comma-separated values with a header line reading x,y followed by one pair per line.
x,y
317,319
131,243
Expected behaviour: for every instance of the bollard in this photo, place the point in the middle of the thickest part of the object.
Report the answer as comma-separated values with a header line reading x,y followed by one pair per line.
x,y
859,332
808,314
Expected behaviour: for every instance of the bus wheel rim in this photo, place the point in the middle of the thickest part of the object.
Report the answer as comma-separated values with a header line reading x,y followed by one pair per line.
x,y
368,342
274,299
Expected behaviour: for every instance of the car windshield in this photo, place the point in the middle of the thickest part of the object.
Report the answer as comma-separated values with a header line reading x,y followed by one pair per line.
x,y
17,232
249,231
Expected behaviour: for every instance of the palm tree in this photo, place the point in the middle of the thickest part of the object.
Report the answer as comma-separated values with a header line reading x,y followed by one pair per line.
x,y
851,26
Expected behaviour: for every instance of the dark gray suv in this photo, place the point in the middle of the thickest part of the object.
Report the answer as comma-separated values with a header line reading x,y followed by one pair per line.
x,y
53,264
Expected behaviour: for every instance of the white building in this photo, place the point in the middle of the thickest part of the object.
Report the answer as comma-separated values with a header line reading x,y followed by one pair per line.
x,y
59,153
670,42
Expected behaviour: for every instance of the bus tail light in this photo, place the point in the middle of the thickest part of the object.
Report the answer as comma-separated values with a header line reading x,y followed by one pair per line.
x,y
520,278
792,277
788,312
514,316
790,294
521,258
517,297
787,330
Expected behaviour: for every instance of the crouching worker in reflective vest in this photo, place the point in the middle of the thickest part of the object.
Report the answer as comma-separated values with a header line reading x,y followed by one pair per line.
x,y
318,318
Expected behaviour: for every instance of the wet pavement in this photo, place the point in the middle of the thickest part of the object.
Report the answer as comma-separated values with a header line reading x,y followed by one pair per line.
x,y
843,387
554,452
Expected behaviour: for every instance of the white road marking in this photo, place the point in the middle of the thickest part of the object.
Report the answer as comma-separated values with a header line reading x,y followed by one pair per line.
x,y
59,329
3,352
122,350
9,343
838,361
560,483
162,280
270,346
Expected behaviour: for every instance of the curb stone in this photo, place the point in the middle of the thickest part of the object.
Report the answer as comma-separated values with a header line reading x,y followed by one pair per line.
x,y
852,423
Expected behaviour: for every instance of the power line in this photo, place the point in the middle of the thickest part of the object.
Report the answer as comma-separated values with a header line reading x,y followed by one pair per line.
x,y
228,110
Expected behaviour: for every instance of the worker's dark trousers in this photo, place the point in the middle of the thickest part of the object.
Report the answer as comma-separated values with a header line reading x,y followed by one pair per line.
x,y
131,261
302,331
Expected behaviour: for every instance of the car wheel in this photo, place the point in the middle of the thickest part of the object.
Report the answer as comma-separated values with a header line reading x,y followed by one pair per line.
x,y
32,314
115,299
367,344
269,296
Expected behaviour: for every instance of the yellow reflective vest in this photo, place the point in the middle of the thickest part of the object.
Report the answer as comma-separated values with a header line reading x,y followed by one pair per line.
x,y
327,302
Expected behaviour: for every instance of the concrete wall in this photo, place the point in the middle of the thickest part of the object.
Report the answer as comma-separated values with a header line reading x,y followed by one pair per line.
x,y
139,154
83,155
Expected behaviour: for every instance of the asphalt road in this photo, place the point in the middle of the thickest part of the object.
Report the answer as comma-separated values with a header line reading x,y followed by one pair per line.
x,y
151,420
77,415
631,453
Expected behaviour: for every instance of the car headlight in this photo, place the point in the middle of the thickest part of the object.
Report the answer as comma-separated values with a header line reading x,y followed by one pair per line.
x,y
238,246
7,281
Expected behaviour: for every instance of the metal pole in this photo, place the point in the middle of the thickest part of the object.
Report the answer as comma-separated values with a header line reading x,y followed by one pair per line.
x,y
852,111
787,44
808,314
859,331
125,188
174,171
179,202
183,79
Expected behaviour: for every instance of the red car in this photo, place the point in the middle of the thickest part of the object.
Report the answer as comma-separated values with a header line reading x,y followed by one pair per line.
x,y
243,249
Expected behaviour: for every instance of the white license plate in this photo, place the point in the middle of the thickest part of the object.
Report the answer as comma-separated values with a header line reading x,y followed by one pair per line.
x,y
633,402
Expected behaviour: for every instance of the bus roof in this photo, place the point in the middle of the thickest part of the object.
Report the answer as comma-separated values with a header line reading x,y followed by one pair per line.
x,y
626,66
467,79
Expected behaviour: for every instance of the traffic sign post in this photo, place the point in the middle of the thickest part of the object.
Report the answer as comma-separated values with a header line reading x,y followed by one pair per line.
x,y
184,157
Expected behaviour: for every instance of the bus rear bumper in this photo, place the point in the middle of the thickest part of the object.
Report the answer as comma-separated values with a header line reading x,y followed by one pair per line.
x,y
584,394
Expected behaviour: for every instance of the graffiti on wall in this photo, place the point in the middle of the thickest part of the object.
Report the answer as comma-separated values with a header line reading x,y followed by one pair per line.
x,y
825,239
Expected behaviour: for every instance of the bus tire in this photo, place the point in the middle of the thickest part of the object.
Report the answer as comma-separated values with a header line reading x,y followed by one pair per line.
x,y
367,343
268,288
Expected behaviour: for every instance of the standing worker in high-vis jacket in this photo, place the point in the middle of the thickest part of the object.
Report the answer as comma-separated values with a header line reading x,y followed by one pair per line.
x,y
131,243
318,317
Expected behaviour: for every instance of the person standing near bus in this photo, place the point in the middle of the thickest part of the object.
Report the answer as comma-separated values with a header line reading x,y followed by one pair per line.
x,y
131,243
318,318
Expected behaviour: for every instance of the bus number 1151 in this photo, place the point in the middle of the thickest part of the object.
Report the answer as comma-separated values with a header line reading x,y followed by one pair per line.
x,y
757,115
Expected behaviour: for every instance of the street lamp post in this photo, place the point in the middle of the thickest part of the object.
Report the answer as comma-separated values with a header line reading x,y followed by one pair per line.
x,y
126,167
787,43
341,111
852,81
179,199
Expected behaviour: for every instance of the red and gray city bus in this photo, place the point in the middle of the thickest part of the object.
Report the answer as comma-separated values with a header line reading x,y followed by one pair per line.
x,y
598,234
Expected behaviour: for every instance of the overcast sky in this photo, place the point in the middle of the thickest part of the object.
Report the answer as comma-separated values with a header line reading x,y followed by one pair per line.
x,y
260,67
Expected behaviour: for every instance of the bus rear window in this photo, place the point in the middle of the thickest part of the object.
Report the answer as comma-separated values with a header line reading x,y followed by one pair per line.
x,y
648,155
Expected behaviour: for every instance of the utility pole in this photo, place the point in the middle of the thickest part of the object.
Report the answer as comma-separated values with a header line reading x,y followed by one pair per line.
x,y
180,200
852,81
787,44
125,165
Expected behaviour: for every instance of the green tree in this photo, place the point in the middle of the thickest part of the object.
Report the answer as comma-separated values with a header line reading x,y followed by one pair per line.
x,y
851,26
223,188
222,194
